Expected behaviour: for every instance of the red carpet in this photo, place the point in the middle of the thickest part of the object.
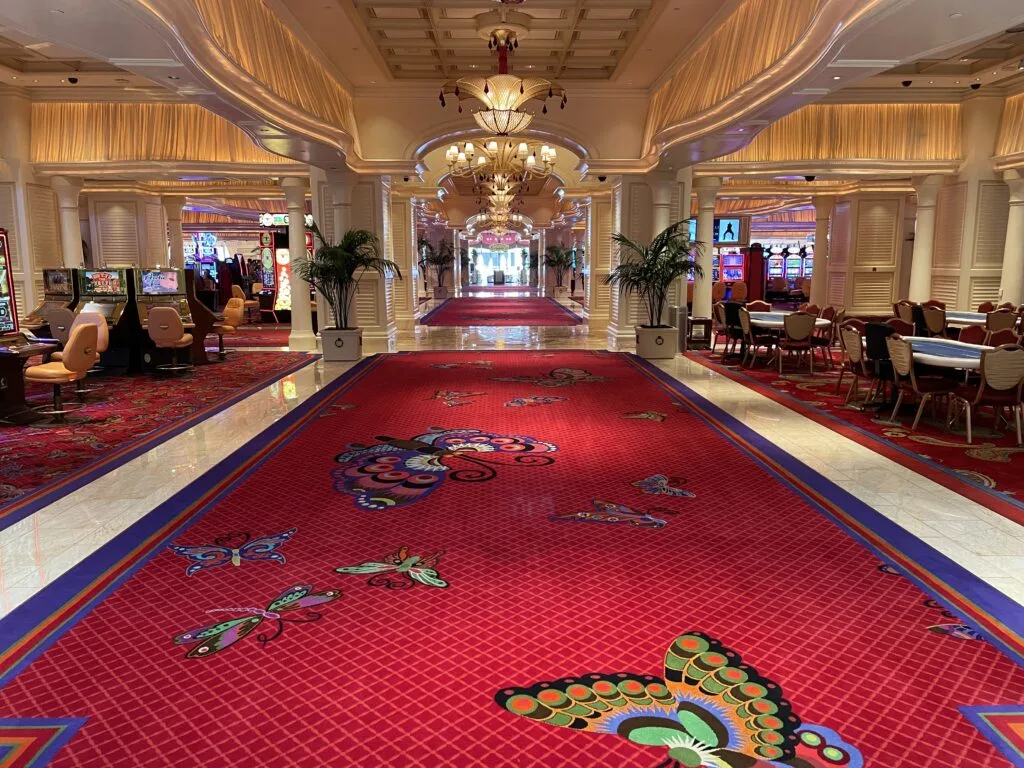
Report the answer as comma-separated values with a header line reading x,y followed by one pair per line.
x,y
495,310
135,413
360,587
499,289
259,336
991,463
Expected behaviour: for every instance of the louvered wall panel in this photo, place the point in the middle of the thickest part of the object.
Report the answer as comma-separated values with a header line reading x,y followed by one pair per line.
x,y
946,288
873,291
156,234
990,233
8,216
949,227
362,207
366,303
325,216
836,295
117,233
641,212
42,213
839,239
877,230
401,245
983,289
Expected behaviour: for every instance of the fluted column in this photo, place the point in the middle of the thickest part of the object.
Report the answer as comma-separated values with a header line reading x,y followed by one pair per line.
x,y
819,279
924,238
542,271
301,338
1011,287
172,211
707,190
68,192
457,266
662,209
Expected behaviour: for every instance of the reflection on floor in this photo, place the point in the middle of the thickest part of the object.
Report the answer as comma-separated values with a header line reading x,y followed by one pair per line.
x,y
522,516
499,310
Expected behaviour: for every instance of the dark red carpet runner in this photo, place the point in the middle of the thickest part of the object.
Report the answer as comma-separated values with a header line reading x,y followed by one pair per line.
x,y
503,311
511,559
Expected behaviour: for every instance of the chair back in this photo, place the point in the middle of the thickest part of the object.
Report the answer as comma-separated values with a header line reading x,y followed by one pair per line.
x,y
60,321
102,331
1000,320
853,343
973,334
759,306
828,313
1002,369
779,285
237,292
934,304
718,310
745,322
256,288
165,325
1005,336
738,292
934,319
986,307
901,354
718,291
812,309
1008,305
234,312
80,351
799,326
901,327
875,336
904,311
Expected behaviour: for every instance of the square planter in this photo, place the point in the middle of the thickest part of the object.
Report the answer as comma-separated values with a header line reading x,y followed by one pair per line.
x,y
561,292
440,292
342,346
657,343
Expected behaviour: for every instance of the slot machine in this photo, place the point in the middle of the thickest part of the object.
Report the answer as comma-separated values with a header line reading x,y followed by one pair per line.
x,y
60,291
776,262
105,292
734,267
794,263
808,253
161,288
716,270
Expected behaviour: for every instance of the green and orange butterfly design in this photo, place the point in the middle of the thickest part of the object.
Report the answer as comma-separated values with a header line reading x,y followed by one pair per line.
x,y
709,710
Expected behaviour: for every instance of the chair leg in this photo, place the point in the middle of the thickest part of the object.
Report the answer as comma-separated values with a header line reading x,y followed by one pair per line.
x,y
780,361
852,390
839,384
58,405
1017,418
920,409
969,408
221,354
810,359
896,409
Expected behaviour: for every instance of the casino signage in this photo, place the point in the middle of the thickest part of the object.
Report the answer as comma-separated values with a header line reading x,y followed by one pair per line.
x,y
280,219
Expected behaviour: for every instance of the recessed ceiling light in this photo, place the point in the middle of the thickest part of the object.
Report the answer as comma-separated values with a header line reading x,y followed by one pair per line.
x,y
14,77
931,82
836,77
956,82
173,77
964,60
56,10
956,15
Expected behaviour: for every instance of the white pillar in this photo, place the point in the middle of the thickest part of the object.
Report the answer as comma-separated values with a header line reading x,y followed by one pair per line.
x,y
924,238
68,192
707,189
1011,287
301,338
819,279
542,272
662,211
172,210
457,266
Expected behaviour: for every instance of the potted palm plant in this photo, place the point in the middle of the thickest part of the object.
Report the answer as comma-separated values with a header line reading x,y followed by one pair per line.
x,y
559,261
441,260
649,271
334,270
422,246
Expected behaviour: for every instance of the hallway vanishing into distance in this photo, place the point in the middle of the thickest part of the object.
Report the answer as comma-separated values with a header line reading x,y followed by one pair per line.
x,y
530,384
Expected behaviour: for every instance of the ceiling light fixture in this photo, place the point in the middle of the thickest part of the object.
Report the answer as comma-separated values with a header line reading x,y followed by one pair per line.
x,y
837,77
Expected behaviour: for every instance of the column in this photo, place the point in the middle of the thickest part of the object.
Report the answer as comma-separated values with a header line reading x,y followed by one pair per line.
x,y
16,167
68,192
1011,287
301,338
707,190
819,279
662,211
924,238
542,270
172,210
457,266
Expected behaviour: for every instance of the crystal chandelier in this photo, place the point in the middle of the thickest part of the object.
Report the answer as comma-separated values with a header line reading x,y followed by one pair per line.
x,y
501,161
503,95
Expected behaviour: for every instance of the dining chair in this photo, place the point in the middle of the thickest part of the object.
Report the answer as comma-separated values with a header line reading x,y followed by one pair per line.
x,y
999,338
719,330
1000,320
753,338
759,306
1008,305
904,310
718,291
738,292
824,338
923,388
973,334
934,304
811,309
999,385
797,329
852,340
901,326
986,306
933,319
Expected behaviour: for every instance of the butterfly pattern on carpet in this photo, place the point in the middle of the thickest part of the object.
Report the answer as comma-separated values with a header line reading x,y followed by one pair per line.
x,y
611,513
659,485
214,638
708,710
657,416
454,399
560,377
532,400
400,570
397,472
954,628
233,548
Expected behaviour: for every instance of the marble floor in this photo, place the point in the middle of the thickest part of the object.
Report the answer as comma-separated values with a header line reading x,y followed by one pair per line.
x,y
44,545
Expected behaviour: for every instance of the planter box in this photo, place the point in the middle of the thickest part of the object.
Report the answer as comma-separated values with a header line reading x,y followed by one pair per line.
x,y
440,292
657,343
561,292
342,346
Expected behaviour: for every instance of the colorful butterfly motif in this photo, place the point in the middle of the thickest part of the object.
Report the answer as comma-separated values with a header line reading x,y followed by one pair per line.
x,y
400,570
607,512
659,485
646,416
560,377
397,472
530,400
708,710
233,548
224,634
454,399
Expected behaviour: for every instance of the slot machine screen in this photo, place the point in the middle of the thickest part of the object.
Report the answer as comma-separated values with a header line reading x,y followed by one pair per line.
x,y
57,281
8,314
103,282
105,308
160,282
727,230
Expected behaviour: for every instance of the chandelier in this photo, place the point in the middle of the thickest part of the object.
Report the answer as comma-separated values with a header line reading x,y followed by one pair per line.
x,y
497,162
503,95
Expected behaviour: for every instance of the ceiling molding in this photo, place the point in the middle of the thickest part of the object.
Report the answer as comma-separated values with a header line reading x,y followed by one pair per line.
x,y
878,95
844,167
101,95
171,169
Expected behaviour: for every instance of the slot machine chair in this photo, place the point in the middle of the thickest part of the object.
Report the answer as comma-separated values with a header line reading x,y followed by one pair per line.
x,y
79,356
234,316
60,321
168,332
249,304
102,342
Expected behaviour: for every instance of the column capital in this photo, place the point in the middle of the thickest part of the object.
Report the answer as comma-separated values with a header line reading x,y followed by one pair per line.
x,y
295,191
67,190
707,183
1014,179
927,188
823,205
173,205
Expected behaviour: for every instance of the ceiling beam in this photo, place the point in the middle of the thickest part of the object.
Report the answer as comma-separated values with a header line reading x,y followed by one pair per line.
x,y
546,25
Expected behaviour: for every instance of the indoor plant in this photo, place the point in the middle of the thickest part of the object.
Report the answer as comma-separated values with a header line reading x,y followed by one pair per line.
x,y
649,271
422,246
559,261
441,260
334,270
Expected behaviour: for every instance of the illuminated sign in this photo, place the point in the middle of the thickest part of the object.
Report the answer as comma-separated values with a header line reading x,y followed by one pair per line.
x,y
280,219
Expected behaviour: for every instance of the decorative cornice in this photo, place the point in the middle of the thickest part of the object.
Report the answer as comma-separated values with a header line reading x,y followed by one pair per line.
x,y
171,169
119,95
845,167
1008,162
